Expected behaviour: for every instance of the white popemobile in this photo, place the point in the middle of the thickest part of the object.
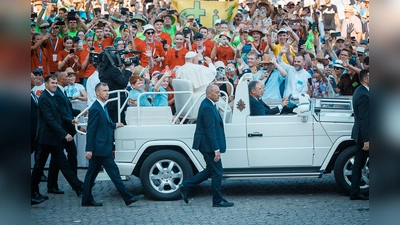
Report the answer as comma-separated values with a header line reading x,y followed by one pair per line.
x,y
311,142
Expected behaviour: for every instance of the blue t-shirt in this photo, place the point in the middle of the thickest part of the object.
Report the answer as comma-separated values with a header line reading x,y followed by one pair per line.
x,y
133,94
160,99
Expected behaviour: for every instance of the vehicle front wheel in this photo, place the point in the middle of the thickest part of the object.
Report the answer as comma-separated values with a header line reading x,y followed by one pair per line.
x,y
162,172
344,167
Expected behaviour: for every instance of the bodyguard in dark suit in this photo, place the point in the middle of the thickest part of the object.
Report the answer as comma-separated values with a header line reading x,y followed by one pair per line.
x,y
209,138
99,147
257,106
68,114
50,137
360,134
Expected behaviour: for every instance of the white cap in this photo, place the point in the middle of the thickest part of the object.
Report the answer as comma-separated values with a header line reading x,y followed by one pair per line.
x,y
148,27
190,55
217,21
219,64
338,63
282,30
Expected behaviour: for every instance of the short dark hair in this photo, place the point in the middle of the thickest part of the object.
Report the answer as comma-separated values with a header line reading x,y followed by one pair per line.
x,y
363,73
97,87
252,85
64,10
50,76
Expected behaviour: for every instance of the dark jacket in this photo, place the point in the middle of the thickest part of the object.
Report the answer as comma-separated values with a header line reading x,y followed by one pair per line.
x,y
360,132
50,120
259,108
209,135
100,135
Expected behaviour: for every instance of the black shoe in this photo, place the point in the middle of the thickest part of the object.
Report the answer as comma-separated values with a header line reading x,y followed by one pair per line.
x,y
184,191
37,195
43,178
35,201
55,191
359,197
79,191
134,199
92,203
223,203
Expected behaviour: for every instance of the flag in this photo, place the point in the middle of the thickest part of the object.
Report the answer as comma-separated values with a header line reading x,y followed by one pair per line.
x,y
206,11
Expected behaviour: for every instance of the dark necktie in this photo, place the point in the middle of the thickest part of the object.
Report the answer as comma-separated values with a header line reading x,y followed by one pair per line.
x,y
108,116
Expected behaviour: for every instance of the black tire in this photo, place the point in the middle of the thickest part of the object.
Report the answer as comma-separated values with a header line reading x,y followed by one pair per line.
x,y
164,185
343,168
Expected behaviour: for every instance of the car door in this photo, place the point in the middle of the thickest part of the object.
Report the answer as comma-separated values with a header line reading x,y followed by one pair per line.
x,y
279,141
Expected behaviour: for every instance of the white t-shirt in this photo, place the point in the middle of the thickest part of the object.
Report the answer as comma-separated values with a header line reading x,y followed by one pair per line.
x,y
38,90
91,83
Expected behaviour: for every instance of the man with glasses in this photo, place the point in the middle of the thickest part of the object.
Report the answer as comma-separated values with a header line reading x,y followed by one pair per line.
x,y
272,75
157,50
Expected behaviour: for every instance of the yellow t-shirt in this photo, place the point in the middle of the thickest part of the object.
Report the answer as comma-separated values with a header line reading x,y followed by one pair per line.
x,y
277,49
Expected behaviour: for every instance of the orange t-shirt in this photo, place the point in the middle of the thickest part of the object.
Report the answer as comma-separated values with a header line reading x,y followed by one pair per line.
x,y
53,47
206,52
156,49
61,56
98,47
40,53
171,60
89,70
165,36
224,54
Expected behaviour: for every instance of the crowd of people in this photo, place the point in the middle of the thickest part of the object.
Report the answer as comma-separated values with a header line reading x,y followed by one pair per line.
x,y
315,48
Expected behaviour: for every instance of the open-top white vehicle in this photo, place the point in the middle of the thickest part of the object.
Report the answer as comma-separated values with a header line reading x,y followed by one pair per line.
x,y
309,143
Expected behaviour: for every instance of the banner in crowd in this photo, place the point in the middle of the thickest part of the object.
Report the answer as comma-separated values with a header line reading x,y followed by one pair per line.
x,y
206,11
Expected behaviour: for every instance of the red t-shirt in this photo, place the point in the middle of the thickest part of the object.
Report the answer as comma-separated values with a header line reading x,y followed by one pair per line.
x,y
61,56
156,49
89,70
165,36
53,48
98,47
224,54
171,60
40,58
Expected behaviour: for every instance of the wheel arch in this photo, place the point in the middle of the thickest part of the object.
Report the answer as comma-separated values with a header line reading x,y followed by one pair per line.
x,y
338,147
153,146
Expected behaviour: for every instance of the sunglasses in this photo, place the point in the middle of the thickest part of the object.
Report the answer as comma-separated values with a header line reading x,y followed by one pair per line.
x,y
149,33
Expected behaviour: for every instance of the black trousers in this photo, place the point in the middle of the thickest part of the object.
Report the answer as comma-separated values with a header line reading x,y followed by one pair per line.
x,y
113,172
54,170
214,171
58,157
359,163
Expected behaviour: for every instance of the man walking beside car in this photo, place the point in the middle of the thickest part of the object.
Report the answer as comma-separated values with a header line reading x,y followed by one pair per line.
x,y
99,147
360,134
209,138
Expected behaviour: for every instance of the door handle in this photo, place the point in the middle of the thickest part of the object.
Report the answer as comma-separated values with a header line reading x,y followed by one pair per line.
x,y
255,135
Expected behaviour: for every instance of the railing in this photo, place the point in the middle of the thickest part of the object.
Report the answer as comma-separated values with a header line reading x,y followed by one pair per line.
x,y
120,108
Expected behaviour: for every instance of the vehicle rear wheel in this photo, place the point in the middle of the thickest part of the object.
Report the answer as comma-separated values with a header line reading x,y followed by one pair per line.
x,y
162,172
343,169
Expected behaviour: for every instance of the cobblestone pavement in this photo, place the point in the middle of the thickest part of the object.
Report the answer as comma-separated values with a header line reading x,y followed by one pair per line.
x,y
269,201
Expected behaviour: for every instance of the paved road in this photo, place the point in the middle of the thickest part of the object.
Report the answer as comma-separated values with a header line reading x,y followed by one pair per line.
x,y
273,201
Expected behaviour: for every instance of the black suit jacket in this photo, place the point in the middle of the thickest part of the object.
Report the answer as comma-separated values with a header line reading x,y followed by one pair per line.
x,y
360,132
50,120
68,112
100,135
34,115
116,81
259,108
209,135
